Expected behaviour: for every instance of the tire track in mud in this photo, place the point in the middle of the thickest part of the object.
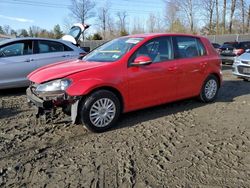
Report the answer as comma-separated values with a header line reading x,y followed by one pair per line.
x,y
183,144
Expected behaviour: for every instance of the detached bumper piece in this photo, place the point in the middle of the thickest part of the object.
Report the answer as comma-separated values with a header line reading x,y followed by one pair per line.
x,y
42,107
47,108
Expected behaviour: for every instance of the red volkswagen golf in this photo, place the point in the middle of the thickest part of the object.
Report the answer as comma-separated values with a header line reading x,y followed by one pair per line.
x,y
126,74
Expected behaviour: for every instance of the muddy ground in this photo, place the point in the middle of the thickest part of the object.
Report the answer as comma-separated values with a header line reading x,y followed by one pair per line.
x,y
183,144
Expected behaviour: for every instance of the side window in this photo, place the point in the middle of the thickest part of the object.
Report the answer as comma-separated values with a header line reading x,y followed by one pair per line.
x,y
188,47
49,47
158,50
16,49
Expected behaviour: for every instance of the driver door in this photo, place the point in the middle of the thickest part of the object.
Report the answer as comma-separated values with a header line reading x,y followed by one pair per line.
x,y
16,63
155,83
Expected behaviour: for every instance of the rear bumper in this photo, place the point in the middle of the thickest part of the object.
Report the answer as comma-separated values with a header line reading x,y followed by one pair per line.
x,y
229,59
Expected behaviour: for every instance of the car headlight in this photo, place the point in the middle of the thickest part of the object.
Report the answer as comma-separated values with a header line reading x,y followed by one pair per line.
x,y
237,61
53,87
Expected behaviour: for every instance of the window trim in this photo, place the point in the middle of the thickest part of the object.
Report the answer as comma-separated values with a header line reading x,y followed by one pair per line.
x,y
147,42
197,39
36,51
16,42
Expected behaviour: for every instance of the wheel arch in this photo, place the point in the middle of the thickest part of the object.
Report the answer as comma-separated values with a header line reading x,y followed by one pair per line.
x,y
217,76
111,89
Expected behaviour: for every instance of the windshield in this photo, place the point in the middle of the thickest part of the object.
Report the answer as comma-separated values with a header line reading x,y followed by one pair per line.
x,y
113,50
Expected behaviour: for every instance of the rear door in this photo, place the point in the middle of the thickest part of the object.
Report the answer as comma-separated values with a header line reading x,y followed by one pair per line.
x,y
48,52
16,63
191,63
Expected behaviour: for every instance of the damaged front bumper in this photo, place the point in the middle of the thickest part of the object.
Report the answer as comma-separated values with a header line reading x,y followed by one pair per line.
x,y
45,106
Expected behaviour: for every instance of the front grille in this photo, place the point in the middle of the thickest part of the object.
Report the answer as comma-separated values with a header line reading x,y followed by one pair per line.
x,y
246,62
242,71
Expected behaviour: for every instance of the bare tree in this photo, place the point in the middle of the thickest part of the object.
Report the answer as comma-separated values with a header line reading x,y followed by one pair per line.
x,y
188,7
137,26
82,10
7,29
232,10
103,17
248,18
242,5
122,22
171,15
151,23
224,16
217,16
208,9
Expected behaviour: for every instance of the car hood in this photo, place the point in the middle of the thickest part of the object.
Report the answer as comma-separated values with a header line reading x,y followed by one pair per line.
x,y
61,70
245,57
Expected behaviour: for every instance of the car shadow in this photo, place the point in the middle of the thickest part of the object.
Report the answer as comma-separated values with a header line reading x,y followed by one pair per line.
x,y
230,90
132,118
8,112
12,92
5,110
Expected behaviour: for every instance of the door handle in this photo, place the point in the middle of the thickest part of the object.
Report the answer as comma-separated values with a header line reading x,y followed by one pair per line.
x,y
66,55
172,68
29,60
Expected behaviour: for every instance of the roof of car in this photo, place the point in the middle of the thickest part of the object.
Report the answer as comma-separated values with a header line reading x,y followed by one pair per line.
x,y
28,38
149,35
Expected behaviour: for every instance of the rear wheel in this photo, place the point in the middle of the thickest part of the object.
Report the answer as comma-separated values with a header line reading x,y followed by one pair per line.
x,y
209,89
100,111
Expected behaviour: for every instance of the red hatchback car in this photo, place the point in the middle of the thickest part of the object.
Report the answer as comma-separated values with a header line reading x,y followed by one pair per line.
x,y
126,74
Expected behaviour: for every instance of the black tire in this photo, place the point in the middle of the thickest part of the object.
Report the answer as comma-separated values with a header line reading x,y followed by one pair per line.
x,y
86,106
203,97
246,79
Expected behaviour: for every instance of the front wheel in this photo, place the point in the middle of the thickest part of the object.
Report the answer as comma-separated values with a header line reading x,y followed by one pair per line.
x,y
209,89
100,111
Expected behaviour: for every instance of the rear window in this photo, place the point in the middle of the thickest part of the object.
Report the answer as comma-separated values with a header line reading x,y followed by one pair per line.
x,y
188,47
51,46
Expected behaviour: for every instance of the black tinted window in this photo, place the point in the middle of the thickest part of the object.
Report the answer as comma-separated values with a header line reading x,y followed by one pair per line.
x,y
16,49
158,50
244,45
50,46
230,45
188,47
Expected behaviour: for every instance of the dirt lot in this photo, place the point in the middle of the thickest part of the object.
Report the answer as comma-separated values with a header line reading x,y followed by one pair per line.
x,y
183,144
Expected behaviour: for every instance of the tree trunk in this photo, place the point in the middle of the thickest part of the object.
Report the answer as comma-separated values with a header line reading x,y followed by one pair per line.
x,y
242,15
248,19
224,17
233,5
217,17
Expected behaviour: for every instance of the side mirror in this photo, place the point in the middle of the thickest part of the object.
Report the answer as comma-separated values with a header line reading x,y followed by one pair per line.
x,y
142,60
86,49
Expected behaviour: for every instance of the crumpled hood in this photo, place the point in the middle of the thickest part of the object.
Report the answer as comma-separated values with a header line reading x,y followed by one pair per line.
x,y
61,70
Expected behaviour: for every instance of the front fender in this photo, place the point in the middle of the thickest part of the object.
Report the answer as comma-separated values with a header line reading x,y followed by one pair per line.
x,y
85,86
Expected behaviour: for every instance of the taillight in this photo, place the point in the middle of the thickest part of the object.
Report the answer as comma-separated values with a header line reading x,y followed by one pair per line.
x,y
238,51
218,50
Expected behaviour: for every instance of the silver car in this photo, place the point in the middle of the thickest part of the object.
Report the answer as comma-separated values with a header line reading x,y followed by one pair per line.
x,y
241,66
20,56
